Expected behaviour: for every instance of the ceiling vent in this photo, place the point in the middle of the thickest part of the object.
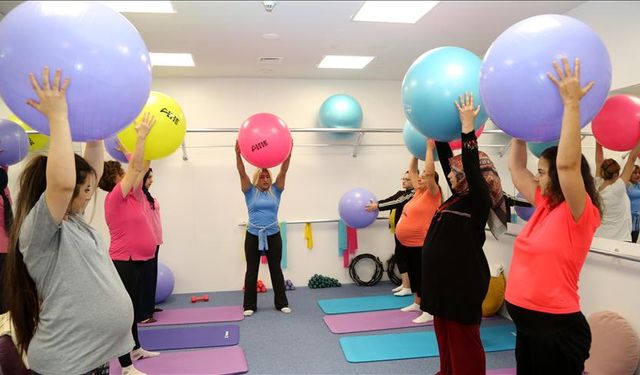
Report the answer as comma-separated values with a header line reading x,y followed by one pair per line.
x,y
270,60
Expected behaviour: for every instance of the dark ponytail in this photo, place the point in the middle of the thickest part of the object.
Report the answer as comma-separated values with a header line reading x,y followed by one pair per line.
x,y
152,201
6,203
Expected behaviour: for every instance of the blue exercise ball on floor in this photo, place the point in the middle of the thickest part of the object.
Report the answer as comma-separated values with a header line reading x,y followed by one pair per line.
x,y
340,111
431,86
165,284
94,46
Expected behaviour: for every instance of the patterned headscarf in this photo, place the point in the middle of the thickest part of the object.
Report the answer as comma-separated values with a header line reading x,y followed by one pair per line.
x,y
498,214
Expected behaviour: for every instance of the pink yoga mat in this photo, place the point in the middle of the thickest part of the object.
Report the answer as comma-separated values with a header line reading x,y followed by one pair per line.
x,y
197,315
372,321
227,360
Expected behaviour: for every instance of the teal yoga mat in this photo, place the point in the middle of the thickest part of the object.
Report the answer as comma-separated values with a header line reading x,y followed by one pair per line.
x,y
361,304
417,344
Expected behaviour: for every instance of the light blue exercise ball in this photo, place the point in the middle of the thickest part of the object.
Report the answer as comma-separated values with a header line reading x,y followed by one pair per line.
x,y
431,86
415,142
340,111
537,148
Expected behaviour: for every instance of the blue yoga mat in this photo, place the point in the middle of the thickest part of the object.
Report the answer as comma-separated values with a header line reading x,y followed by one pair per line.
x,y
189,337
417,344
361,304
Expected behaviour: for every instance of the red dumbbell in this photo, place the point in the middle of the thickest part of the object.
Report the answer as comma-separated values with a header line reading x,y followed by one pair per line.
x,y
204,298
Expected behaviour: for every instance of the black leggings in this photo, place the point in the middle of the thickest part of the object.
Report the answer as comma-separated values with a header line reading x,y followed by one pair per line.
x,y
550,343
400,257
413,257
148,290
130,272
274,256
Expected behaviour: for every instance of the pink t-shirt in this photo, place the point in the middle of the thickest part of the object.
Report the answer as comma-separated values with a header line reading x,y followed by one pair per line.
x,y
416,218
4,236
154,218
548,255
131,234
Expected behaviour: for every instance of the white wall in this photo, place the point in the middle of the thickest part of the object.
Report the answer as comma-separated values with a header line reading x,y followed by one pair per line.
x,y
616,23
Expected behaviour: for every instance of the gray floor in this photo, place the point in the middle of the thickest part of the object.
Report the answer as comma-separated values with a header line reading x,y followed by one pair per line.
x,y
301,343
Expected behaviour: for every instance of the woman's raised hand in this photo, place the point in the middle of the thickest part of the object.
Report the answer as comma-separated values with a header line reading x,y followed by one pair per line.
x,y
52,100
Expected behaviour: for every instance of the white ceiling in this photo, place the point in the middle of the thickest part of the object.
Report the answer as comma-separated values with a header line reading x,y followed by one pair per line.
x,y
225,37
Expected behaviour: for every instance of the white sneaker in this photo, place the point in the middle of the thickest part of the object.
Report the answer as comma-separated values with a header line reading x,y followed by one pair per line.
x,y
403,292
424,318
248,312
140,353
130,370
411,307
397,289
286,310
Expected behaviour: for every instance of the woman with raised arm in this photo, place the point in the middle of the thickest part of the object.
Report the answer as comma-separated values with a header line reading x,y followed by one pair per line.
x,y
455,273
395,204
633,191
69,308
553,336
133,241
263,232
414,222
612,186
151,208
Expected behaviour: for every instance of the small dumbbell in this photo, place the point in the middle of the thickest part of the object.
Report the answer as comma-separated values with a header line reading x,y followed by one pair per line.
x,y
204,298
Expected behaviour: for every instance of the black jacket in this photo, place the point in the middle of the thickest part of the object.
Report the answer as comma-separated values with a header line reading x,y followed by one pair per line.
x,y
397,201
455,273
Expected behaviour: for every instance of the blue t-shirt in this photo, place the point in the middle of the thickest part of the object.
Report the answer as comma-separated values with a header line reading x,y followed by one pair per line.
x,y
633,191
263,209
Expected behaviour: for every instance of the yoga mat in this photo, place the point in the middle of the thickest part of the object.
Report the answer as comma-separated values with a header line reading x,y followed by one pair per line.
x,y
189,337
374,321
417,344
361,304
228,360
197,315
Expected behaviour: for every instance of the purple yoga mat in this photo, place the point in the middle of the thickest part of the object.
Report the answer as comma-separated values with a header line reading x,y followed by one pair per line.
x,y
501,371
189,337
228,360
195,315
372,321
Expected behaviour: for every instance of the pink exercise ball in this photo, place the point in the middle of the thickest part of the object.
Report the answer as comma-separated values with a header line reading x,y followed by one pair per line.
x,y
617,126
265,140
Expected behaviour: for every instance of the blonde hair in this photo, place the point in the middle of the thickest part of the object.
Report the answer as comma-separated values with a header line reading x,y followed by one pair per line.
x,y
256,176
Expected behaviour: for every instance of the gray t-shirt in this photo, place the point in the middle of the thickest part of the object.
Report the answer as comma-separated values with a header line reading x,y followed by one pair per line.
x,y
86,313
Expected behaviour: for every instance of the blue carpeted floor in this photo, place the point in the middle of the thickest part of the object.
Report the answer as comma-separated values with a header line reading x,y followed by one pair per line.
x,y
301,343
